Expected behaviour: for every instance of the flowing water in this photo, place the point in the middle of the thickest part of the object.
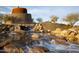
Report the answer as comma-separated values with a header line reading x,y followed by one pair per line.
x,y
57,48
45,41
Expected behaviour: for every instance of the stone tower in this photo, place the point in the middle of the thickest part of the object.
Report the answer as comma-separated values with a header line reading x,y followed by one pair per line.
x,y
21,16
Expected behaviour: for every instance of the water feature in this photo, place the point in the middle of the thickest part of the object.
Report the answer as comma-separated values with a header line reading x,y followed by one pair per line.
x,y
44,41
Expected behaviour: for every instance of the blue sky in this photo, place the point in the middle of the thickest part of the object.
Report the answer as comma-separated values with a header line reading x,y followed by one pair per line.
x,y
45,12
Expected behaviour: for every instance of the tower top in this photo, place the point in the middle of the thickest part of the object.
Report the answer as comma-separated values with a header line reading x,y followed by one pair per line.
x,y
19,10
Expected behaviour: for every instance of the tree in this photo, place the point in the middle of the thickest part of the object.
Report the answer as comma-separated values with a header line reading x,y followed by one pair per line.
x,y
39,20
54,19
1,16
72,18
8,18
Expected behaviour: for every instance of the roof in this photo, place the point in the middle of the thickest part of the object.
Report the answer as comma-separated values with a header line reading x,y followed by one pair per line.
x,y
19,10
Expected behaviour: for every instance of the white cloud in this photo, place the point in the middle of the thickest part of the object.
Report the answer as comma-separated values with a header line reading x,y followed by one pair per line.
x,y
2,12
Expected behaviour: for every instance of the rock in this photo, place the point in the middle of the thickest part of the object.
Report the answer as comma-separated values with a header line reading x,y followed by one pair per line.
x,y
39,49
61,40
35,36
11,48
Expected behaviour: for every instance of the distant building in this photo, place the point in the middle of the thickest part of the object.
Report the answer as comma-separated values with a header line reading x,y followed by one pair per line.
x,y
20,16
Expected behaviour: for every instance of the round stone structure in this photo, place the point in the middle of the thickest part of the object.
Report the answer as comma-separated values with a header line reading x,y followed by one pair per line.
x,y
22,17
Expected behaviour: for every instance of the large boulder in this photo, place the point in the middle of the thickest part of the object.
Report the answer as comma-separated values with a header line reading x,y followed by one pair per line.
x,y
35,36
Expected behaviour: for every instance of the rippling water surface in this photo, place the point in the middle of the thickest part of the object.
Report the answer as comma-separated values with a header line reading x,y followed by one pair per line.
x,y
45,41
59,48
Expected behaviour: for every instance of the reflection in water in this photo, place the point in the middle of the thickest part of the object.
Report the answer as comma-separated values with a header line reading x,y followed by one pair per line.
x,y
24,40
